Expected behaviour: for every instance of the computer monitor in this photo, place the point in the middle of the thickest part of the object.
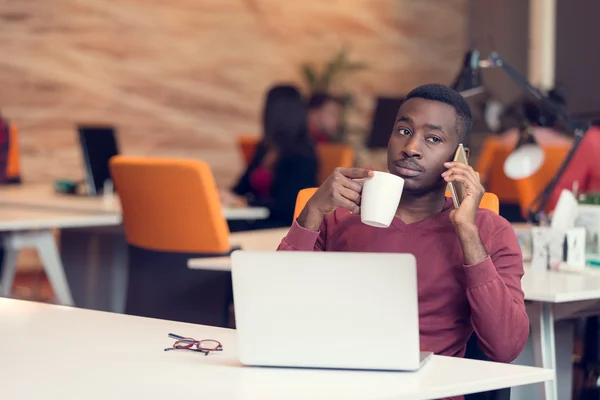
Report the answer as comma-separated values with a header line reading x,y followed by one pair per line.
x,y
98,145
383,121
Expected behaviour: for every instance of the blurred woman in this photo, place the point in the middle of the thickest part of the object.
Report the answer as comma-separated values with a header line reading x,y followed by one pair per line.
x,y
284,162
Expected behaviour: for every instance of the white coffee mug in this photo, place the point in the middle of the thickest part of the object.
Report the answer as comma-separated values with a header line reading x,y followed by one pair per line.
x,y
380,198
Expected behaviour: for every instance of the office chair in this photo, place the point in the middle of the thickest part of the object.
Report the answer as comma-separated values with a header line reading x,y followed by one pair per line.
x,y
171,213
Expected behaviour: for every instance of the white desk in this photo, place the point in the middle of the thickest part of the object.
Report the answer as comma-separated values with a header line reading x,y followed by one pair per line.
x,y
568,293
44,196
22,227
555,296
71,353
259,240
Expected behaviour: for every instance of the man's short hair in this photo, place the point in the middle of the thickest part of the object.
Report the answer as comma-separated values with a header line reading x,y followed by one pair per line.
x,y
444,94
318,99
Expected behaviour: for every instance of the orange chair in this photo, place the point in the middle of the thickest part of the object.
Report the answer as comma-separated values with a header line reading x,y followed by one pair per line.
x,y
489,201
303,196
13,167
247,145
486,158
171,212
331,156
170,205
491,168
529,188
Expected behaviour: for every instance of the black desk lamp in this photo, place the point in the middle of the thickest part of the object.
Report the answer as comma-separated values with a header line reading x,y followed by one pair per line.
x,y
469,81
527,157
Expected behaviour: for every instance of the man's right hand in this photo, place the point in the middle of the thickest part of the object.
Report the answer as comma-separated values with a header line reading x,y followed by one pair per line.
x,y
340,189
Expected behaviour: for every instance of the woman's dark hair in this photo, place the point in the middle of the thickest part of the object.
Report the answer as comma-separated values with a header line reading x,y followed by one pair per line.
x,y
285,120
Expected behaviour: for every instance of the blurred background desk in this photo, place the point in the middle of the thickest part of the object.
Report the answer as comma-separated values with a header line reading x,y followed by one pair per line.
x,y
27,227
44,196
261,240
88,266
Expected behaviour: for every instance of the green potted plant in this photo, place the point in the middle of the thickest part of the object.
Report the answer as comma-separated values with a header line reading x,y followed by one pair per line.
x,y
328,79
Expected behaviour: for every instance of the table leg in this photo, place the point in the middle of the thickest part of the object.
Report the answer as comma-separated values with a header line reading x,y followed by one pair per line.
x,y
49,254
544,347
9,265
45,244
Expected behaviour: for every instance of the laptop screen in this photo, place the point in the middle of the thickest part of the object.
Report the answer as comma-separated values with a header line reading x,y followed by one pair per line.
x,y
98,145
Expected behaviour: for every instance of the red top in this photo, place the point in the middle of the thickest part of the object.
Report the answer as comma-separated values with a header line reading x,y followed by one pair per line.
x,y
454,298
319,136
261,180
583,168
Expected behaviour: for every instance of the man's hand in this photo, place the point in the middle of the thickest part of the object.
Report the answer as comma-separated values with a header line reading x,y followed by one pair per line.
x,y
340,189
463,218
458,172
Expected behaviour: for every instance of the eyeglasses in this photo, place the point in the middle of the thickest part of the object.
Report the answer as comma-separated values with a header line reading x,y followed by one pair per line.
x,y
202,346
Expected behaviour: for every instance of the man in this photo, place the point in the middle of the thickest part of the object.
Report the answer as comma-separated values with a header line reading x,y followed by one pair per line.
x,y
324,117
469,260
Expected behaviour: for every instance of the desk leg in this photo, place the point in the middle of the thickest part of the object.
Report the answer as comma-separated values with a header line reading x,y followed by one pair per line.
x,y
9,265
544,348
45,244
49,254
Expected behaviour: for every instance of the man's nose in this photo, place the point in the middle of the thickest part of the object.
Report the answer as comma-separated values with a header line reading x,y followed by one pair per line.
x,y
412,148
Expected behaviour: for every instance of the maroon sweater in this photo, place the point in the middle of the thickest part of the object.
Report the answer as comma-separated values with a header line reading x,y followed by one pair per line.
x,y
454,299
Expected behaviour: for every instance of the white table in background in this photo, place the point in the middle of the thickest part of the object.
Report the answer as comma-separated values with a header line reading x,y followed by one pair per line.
x,y
259,240
556,296
23,227
44,196
56,351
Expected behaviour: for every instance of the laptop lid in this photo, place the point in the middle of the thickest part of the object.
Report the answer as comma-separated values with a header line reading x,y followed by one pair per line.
x,y
98,145
327,309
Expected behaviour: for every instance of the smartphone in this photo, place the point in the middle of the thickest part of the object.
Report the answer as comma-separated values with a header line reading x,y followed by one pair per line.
x,y
457,189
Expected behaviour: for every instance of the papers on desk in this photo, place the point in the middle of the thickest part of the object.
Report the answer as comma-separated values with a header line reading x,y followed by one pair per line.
x,y
562,243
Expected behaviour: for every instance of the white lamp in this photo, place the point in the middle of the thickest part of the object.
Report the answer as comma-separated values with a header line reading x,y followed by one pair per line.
x,y
527,157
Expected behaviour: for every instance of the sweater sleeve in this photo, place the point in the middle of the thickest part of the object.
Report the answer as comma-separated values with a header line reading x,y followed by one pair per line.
x,y
301,239
497,301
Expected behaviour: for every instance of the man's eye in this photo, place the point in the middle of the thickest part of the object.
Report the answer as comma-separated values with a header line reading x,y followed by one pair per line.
x,y
434,139
403,131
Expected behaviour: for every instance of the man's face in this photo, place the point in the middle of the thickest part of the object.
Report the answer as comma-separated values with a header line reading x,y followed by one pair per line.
x,y
331,114
423,139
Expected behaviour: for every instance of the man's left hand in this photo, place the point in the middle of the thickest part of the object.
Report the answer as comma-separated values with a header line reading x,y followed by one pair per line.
x,y
464,216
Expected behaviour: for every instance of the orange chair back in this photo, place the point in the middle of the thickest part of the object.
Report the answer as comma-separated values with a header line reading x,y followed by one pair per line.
x,y
331,156
486,158
529,188
303,197
170,205
489,201
247,145
13,167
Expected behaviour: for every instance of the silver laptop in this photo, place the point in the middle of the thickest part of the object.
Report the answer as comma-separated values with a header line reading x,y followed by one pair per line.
x,y
327,310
